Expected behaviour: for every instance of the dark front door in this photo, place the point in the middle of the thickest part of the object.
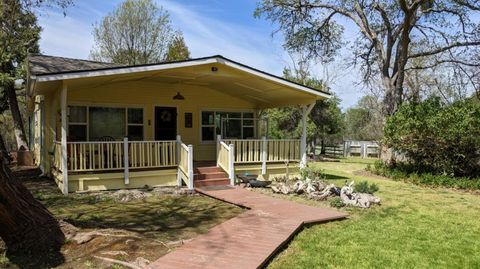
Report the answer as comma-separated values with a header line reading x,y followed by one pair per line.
x,y
165,123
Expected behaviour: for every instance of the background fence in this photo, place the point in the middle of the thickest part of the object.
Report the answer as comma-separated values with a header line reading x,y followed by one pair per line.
x,y
351,148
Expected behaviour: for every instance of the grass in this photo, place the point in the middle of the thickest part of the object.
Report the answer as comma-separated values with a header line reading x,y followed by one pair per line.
x,y
415,227
150,224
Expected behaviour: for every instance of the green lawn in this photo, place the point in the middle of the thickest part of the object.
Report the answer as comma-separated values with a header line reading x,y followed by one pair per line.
x,y
415,227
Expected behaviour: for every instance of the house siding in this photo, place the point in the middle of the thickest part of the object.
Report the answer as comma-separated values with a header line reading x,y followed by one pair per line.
x,y
146,95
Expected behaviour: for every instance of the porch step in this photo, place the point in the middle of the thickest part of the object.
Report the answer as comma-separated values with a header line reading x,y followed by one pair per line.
x,y
209,175
207,169
211,182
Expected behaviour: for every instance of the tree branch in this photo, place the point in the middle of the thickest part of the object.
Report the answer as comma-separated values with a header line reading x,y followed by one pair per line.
x,y
443,49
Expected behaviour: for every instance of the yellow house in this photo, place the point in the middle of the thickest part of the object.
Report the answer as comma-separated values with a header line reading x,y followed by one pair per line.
x,y
100,126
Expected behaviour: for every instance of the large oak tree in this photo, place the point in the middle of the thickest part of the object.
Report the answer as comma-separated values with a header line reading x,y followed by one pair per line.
x,y
26,226
395,35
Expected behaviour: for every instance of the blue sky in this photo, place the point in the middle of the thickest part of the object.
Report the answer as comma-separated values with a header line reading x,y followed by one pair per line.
x,y
209,27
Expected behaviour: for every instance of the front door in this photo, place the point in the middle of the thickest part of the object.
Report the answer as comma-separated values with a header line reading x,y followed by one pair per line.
x,y
165,123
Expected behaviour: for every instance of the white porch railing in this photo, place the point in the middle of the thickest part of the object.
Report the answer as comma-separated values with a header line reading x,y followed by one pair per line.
x,y
185,163
110,155
268,150
225,159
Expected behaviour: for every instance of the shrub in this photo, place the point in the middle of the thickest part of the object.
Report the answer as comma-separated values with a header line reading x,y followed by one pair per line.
x,y
437,138
311,172
364,187
405,173
336,202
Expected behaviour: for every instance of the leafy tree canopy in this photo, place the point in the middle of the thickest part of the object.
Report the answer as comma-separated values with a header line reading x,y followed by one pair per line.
x,y
395,36
177,49
137,32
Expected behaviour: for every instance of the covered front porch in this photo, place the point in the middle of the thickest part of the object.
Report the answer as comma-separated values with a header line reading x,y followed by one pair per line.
x,y
152,125
103,165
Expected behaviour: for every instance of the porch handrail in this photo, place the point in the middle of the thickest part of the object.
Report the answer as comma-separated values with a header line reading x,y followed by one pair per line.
x,y
185,163
225,159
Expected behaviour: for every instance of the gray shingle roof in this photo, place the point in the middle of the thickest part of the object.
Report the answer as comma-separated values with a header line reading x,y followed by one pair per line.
x,y
40,64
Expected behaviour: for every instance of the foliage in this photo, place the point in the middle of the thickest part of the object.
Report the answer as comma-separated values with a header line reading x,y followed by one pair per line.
x,y
407,173
414,228
325,119
438,138
311,172
177,49
336,202
19,36
136,32
365,187
392,36
365,120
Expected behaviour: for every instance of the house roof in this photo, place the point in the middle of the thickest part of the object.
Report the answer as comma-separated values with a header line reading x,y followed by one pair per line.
x,y
43,68
40,64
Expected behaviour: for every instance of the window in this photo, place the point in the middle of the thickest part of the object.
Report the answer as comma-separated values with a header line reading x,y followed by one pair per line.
x,y
228,124
106,122
98,123
135,124
77,128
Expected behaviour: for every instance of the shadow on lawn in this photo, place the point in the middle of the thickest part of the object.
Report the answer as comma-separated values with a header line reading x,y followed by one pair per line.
x,y
166,217
334,177
169,216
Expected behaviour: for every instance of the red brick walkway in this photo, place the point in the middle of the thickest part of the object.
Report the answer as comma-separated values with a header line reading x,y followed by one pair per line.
x,y
248,240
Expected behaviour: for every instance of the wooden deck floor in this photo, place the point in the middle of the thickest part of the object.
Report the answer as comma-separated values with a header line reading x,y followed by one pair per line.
x,y
250,239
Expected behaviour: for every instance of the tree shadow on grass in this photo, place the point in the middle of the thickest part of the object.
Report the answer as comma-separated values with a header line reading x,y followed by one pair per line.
x,y
334,177
166,217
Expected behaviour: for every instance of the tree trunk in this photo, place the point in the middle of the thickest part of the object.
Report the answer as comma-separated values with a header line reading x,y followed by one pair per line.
x,y
322,144
26,226
4,157
16,116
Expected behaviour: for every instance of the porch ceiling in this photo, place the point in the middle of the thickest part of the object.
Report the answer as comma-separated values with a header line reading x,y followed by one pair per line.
x,y
262,89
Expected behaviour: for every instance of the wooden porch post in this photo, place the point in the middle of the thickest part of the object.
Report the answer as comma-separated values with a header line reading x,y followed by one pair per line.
x,y
63,107
125,160
303,142
219,138
264,155
190,167
231,167
179,172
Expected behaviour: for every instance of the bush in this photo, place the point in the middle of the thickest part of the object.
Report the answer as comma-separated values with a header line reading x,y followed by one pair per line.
x,y
364,187
405,173
437,138
336,202
311,172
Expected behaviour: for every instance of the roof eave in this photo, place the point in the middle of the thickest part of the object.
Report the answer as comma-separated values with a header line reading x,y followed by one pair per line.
x,y
163,66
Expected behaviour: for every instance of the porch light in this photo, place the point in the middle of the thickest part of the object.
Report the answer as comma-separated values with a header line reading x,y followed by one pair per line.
x,y
178,96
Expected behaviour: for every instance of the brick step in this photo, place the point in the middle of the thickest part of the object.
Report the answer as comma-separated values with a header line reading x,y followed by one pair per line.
x,y
211,182
200,176
207,169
